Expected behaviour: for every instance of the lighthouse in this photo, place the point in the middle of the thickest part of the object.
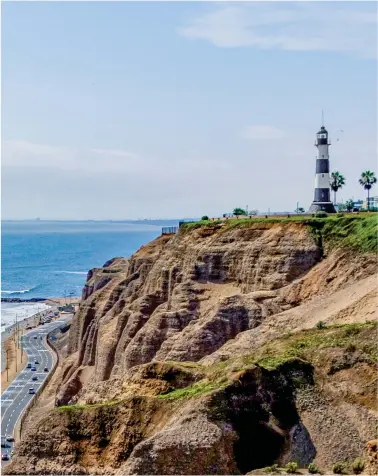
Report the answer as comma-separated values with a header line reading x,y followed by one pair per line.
x,y
322,201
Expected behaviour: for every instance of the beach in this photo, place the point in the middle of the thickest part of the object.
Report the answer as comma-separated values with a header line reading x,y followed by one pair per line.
x,y
12,311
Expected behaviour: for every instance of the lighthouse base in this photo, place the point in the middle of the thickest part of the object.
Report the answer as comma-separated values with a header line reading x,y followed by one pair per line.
x,y
322,207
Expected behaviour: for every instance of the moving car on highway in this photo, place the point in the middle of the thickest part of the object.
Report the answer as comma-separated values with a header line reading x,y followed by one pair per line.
x,y
4,443
31,391
5,457
45,369
33,369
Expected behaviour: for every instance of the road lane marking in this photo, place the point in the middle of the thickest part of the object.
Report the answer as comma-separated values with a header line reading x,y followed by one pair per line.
x,y
34,347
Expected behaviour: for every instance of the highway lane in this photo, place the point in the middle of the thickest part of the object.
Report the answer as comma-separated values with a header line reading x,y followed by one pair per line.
x,y
16,397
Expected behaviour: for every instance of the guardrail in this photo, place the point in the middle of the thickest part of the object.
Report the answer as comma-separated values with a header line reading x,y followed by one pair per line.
x,y
32,403
166,230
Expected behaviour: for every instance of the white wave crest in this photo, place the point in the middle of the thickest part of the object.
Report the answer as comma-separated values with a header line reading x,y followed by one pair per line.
x,y
22,291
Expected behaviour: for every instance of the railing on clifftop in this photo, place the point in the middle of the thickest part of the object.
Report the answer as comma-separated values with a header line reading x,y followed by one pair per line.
x,y
166,230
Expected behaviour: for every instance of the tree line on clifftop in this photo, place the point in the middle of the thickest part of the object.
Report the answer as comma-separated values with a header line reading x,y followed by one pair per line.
x,y
367,180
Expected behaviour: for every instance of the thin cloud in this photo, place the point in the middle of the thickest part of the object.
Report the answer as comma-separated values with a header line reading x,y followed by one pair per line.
x,y
115,153
263,133
346,27
23,153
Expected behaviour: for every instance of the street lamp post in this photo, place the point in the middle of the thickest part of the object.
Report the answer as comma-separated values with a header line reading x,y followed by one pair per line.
x,y
18,333
7,364
21,342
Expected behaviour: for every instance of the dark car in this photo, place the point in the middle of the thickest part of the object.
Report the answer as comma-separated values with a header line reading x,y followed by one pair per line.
x,y
28,366
45,369
5,457
34,378
35,337
10,438
4,444
36,362
33,369
31,391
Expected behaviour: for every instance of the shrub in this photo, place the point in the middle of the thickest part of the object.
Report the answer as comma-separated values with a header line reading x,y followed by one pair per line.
x,y
321,214
291,467
239,211
340,214
351,347
271,469
358,466
339,468
312,468
205,217
321,325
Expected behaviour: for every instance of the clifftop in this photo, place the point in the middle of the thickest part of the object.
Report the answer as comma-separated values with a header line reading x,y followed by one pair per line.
x,y
192,326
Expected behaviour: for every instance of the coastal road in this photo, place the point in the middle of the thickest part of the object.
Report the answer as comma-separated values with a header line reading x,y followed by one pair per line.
x,y
16,397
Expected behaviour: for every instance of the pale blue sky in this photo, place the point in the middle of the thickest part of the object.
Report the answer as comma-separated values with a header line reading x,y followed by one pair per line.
x,y
127,110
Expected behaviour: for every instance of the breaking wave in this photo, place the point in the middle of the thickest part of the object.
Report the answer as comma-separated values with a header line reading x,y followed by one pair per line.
x,y
21,291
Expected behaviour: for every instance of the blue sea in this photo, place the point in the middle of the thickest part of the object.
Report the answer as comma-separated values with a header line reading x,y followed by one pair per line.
x,y
42,259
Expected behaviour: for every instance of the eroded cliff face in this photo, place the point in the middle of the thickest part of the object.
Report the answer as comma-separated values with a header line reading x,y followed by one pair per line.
x,y
182,298
202,288
203,298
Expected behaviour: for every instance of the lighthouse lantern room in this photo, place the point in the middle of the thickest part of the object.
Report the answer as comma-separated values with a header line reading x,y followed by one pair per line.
x,y
322,201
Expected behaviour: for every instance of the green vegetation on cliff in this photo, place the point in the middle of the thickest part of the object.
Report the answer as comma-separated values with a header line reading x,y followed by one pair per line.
x,y
357,232
309,345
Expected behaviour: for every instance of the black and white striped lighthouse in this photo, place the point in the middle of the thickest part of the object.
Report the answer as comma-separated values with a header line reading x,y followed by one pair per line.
x,y
322,200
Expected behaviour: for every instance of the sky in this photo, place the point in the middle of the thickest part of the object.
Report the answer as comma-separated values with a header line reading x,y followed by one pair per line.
x,y
124,110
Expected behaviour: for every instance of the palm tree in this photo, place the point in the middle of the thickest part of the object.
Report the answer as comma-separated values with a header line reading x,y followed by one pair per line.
x,y
337,181
367,180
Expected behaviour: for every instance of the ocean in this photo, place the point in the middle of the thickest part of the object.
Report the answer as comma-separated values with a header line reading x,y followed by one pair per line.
x,y
44,259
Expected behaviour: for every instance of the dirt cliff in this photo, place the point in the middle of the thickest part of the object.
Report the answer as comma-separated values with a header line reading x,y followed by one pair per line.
x,y
219,350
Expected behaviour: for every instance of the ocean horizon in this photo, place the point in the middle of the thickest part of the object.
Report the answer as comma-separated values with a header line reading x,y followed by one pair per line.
x,y
47,259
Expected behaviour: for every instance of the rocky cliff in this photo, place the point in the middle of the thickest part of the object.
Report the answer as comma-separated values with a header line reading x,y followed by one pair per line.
x,y
219,350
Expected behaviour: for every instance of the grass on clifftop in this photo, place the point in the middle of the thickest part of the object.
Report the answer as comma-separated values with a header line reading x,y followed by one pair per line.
x,y
357,232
